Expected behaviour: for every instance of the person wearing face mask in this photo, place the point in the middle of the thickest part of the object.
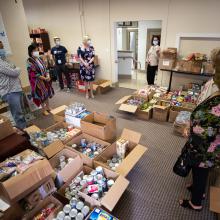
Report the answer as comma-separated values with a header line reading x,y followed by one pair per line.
x,y
41,85
59,53
152,60
10,88
86,54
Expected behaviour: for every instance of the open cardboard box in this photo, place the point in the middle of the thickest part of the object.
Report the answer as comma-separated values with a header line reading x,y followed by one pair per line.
x,y
144,114
215,199
51,149
59,125
60,111
86,160
161,113
101,86
111,197
66,172
134,152
174,111
6,128
42,205
129,108
100,125
166,63
17,187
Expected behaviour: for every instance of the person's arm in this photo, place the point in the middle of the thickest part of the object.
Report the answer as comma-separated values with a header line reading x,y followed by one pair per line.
x,y
93,55
5,69
81,59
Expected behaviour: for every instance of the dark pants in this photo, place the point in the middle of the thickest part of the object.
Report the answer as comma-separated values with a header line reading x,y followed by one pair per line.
x,y
14,102
200,176
61,69
151,72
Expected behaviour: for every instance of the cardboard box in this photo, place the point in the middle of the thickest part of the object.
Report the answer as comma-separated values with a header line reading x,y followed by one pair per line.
x,y
166,64
66,172
32,129
183,65
144,114
124,106
17,187
102,86
215,199
174,111
208,68
41,193
134,152
161,113
61,125
86,160
111,198
6,128
47,201
60,111
100,125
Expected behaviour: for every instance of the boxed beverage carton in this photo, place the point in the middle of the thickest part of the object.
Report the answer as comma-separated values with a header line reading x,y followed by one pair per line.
x,y
100,125
111,198
6,128
133,154
20,185
101,86
49,202
99,213
77,140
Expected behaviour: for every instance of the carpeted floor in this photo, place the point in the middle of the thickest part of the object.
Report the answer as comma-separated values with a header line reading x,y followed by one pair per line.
x,y
154,190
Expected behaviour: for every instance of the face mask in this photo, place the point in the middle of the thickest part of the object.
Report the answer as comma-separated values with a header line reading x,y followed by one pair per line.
x,y
58,43
36,54
2,54
89,42
155,42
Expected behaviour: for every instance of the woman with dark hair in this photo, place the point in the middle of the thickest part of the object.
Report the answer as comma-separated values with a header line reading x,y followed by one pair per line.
x,y
152,60
41,85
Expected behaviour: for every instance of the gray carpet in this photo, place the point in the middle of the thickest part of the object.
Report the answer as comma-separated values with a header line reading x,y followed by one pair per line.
x,y
154,190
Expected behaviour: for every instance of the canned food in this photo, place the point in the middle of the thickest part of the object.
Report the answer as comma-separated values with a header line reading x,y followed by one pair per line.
x,y
73,213
99,170
79,205
89,180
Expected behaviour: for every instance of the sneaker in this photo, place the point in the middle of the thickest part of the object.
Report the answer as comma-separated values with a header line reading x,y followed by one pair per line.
x,y
68,90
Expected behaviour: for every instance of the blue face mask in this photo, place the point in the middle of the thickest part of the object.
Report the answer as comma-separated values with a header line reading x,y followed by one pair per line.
x,y
2,54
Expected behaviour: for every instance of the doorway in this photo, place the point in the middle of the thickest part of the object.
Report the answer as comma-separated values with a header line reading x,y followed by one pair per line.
x,y
133,40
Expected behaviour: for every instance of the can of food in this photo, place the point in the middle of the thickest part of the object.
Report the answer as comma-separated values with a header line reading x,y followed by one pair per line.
x,y
99,170
80,216
73,213
67,209
93,173
73,202
95,196
83,183
85,210
90,180
110,183
79,205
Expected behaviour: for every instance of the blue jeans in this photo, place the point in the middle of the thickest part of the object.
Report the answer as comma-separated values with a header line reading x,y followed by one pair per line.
x,y
14,101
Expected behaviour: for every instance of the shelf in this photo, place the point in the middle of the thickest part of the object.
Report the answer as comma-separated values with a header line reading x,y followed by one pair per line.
x,y
188,73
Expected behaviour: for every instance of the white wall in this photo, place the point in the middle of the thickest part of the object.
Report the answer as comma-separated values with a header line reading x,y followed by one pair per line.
x,y
62,18
16,27
142,39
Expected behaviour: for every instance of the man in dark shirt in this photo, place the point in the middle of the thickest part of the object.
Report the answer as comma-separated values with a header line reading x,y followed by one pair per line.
x,y
59,55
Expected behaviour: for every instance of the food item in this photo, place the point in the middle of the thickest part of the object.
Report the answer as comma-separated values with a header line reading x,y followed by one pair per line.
x,y
114,162
75,108
44,213
121,147
90,149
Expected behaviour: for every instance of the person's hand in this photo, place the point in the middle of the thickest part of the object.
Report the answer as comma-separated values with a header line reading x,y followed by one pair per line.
x,y
86,65
48,78
186,132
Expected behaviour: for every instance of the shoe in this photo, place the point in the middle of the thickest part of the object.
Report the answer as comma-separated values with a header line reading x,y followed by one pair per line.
x,y
185,204
68,90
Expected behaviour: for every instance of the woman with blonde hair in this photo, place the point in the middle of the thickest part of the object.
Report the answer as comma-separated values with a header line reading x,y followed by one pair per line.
x,y
87,68
203,143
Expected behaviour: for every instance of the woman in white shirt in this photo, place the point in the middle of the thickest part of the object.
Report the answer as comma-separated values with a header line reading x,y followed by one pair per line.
x,y
152,60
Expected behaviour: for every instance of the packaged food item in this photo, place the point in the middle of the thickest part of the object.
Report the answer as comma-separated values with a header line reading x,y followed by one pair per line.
x,y
121,147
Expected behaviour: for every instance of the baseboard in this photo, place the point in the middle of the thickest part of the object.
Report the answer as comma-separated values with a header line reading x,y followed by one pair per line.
x,y
124,76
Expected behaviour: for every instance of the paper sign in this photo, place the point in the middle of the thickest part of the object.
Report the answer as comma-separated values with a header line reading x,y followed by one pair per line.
x,y
166,63
4,38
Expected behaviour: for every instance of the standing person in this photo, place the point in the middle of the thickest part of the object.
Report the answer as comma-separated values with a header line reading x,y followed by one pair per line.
x,y
204,141
86,54
59,53
10,88
41,85
152,60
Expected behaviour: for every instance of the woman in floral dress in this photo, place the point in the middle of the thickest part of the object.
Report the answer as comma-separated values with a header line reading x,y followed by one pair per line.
x,y
204,141
87,68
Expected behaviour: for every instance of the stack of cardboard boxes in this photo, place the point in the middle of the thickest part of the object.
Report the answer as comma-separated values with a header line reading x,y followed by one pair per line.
x,y
42,184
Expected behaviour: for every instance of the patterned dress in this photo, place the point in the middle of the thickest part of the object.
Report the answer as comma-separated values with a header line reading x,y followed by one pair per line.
x,y
204,139
41,90
87,74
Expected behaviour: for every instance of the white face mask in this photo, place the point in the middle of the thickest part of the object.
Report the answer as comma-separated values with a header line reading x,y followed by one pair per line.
x,y
36,54
89,42
155,42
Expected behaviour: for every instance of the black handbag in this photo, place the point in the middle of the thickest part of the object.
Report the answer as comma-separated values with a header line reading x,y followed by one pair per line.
x,y
183,164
